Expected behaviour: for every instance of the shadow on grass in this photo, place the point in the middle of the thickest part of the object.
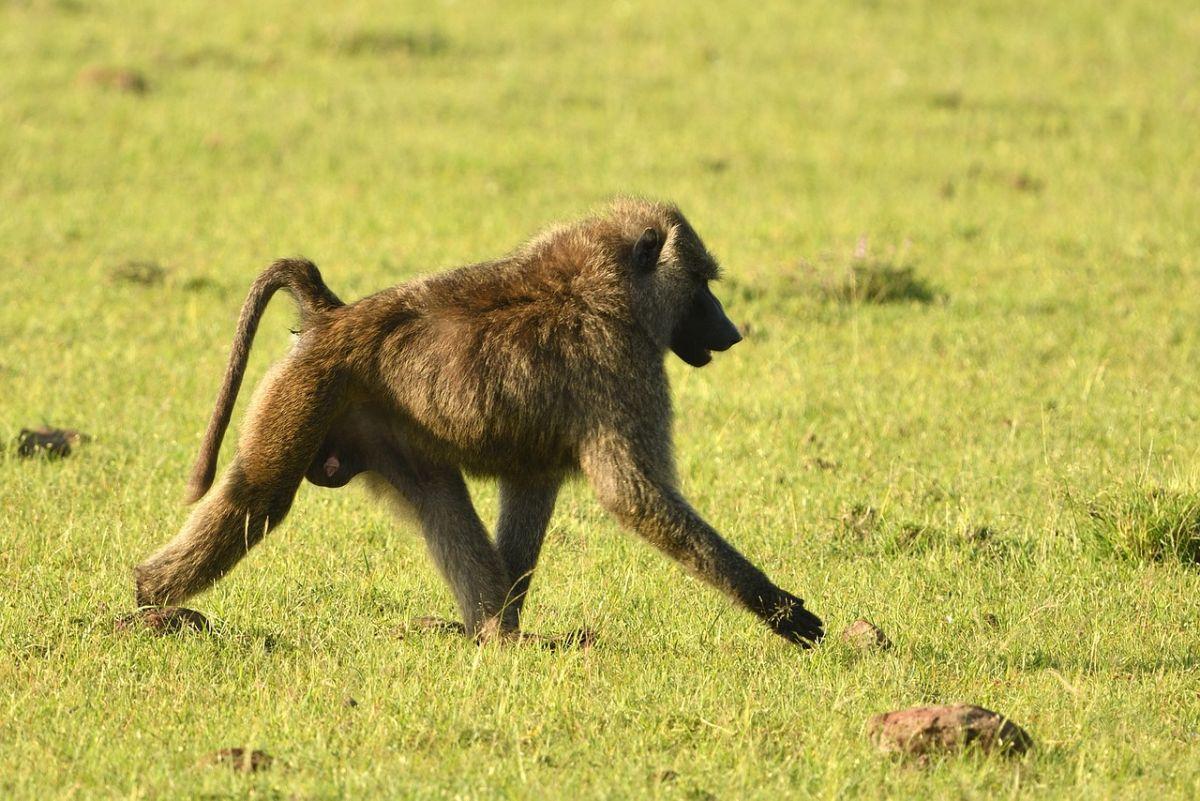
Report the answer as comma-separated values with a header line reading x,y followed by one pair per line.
x,y
385,41
865,279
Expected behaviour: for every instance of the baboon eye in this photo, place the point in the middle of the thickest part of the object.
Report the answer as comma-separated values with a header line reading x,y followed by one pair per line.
x,y
646,250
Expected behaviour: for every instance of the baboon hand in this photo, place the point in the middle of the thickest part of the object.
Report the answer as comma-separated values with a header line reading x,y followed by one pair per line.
x,y
794,623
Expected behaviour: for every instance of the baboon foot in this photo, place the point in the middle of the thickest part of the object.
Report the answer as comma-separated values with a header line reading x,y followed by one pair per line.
x,y
164,620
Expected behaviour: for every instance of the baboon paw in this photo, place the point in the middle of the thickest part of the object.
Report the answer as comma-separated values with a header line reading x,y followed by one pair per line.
x,y
798,625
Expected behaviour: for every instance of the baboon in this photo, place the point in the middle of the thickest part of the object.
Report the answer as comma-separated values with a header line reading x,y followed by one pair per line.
x,y
532,368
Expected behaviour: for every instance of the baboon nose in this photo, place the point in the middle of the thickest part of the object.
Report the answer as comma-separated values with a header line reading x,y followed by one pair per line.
x,y
731,338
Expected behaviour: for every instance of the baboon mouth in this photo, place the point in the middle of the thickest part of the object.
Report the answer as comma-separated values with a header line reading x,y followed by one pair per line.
x,y
694,355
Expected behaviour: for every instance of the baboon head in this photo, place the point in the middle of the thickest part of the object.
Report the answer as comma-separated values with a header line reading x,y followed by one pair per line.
x,y
675,271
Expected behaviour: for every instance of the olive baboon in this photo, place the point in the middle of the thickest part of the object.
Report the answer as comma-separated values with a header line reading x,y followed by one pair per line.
x,y
543,364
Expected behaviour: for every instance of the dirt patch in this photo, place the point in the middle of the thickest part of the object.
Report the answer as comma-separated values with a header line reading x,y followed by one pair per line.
x,y
54,443
164,620
118,79
142,273
925,731
1024,182
240,759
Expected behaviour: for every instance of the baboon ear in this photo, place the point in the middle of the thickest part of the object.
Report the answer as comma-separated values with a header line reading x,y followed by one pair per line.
x,y
646,250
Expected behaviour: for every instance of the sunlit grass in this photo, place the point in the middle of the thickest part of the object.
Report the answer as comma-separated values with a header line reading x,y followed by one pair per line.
x,y
962,242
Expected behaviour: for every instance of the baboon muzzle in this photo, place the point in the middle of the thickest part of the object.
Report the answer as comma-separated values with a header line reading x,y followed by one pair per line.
x,y
705,328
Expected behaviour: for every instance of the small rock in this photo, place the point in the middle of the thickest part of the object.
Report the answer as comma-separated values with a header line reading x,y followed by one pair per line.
x,y
921,731
863,635
52,442
241,760
164,620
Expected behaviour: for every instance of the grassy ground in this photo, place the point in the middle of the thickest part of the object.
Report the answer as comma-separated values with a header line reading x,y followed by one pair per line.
x,y
963,238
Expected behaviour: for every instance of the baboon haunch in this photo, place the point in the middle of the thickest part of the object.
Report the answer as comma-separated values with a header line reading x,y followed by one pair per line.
x,y
543,364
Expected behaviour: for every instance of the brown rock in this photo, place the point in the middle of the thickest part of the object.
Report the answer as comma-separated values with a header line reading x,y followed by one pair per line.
x,y
240,759
53,442
863,635
164,620
934,729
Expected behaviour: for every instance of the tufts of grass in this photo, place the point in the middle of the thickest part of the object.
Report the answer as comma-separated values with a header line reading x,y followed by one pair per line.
x,y
1143,523
869,279
381,42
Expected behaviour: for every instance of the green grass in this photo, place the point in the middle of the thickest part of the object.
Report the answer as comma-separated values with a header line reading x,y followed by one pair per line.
x,y
1034,171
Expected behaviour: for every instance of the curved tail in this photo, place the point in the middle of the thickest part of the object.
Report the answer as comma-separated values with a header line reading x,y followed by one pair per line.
x,y
303,282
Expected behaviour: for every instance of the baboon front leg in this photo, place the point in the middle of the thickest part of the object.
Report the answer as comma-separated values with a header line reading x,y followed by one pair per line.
x,y
634,487
283,429
525,511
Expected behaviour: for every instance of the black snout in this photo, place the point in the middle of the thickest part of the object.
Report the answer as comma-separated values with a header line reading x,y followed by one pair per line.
x,y
725,336
704,329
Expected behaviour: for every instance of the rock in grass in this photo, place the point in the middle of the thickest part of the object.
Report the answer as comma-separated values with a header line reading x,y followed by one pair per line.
x,y
863,635
241,760
55,443
928,730
165,620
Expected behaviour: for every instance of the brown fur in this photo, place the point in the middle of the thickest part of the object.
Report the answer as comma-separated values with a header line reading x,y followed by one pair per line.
x,y
531,368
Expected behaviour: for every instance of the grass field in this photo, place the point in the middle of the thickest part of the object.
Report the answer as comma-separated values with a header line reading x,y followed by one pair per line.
x,y
963,239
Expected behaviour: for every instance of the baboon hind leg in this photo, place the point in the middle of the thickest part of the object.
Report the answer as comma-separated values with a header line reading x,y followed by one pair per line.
x,y
283,430
457,540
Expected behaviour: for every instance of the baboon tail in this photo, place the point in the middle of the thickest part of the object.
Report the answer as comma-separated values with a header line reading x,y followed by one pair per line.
x,y
302,280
